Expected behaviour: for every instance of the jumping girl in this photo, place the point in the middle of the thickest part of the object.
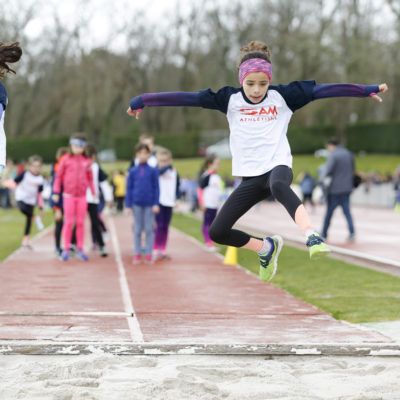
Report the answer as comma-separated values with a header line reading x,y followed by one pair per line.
x,y
9,53
258,114
72,179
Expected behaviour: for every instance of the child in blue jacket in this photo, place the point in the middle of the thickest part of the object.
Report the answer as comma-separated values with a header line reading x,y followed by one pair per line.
x,y
142,195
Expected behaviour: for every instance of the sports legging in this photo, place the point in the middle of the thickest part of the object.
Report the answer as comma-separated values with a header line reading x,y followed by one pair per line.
x,y
75,209
250,192
27,210
94,219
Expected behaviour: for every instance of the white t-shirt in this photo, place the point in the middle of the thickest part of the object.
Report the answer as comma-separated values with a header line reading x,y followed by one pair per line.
x,y
212,192
98,182
258,140
167,183
28,187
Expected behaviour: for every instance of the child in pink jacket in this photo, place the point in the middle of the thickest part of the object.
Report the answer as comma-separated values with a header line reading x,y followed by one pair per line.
x,y
72,179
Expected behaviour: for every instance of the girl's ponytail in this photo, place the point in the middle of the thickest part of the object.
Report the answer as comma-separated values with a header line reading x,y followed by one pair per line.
x,y
9,53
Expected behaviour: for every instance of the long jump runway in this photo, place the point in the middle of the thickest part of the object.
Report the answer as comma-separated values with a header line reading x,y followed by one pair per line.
x,y
191,304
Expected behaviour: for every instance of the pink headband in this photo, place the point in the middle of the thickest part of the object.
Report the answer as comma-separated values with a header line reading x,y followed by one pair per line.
x,y
254,65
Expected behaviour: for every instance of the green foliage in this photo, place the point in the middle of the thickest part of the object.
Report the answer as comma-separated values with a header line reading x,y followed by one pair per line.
x,y
348,292
374,138
305,140
21,148
181,145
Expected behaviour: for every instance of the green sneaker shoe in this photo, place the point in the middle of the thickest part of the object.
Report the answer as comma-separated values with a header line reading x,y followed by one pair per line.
x,y
317,247
269,262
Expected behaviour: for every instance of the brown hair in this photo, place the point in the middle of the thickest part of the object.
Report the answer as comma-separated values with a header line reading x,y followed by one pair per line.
x,y
254,49
141,146
61,151
35,158
90,150
162,151
145,136
9,53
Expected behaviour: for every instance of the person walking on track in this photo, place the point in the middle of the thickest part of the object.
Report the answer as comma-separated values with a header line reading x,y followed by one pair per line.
x,y
258,114
340,169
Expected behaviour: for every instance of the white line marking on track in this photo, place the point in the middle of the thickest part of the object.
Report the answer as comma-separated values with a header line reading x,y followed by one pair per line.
x,y
134,327
69,313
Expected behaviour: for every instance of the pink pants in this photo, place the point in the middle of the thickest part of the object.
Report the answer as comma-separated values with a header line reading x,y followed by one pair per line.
x,y
75,209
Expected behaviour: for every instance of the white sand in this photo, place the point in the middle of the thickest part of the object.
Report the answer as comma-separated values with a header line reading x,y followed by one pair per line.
x,y
103,376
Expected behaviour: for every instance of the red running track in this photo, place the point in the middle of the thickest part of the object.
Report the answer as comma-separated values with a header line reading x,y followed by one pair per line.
x,y
377,230
191,299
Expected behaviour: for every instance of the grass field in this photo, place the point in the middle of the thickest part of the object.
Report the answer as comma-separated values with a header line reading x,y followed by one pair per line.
x,y
189,167
346,291
12,223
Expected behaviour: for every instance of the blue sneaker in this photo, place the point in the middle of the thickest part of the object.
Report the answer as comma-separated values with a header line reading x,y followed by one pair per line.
x,y
65,255
82,255
269,262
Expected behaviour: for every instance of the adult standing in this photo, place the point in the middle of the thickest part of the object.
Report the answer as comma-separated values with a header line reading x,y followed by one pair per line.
x,y
340,169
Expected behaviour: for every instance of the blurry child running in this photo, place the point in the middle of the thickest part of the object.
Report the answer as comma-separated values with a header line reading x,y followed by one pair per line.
x,y
72,179
169,192
259,114
142,196
209,194
27,194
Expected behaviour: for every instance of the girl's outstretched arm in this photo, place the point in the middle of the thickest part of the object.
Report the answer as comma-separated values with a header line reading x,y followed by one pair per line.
x,y
348,90
188,99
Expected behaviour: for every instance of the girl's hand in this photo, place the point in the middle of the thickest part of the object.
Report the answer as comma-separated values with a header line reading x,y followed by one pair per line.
x,y
134,112
155,209
55,198
382,88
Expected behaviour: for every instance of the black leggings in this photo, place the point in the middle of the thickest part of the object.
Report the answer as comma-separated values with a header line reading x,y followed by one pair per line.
x,y
252,190
96,226
27,210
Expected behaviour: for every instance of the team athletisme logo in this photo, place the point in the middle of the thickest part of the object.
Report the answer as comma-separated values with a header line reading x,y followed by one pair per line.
x,y
257,114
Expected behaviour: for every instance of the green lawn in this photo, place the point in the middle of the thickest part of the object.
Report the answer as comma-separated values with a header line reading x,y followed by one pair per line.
x,y
12,223
346,291
189,167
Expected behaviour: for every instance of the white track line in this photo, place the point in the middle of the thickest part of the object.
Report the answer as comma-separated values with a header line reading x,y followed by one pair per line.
x,y
69,313
134,327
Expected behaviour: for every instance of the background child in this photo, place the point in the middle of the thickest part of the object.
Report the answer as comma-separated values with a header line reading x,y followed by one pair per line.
x,y
142,195
307,186
258,114
30,185
209,194
57,207
119,184
73,178
9,53
99,179
169,193
149,141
